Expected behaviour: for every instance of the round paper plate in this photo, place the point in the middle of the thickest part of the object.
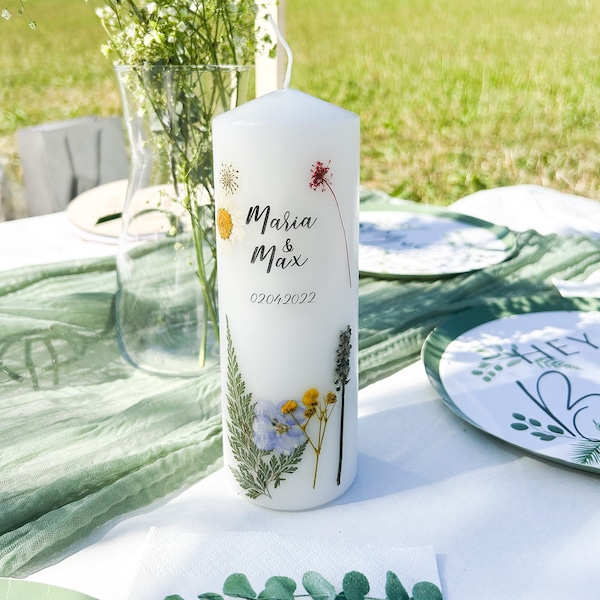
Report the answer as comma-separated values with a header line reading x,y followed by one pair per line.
x,y
526,206
99,202
420,241
526,373
18,589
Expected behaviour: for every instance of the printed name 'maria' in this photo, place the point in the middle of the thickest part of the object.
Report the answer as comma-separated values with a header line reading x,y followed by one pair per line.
x,y
285,223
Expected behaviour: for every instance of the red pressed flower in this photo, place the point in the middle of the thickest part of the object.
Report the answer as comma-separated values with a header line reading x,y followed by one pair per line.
x,y
322,179
320,176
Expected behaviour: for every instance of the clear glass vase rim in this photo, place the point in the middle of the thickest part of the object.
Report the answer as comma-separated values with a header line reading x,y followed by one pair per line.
x,y
204,67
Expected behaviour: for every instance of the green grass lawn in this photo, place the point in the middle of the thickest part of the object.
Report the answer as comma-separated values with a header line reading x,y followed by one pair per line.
x,y
453,95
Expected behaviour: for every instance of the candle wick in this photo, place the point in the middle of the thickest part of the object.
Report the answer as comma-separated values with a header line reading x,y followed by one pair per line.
x,y
288,51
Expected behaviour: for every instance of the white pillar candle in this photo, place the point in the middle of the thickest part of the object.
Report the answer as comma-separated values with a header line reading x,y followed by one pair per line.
x,y
287,186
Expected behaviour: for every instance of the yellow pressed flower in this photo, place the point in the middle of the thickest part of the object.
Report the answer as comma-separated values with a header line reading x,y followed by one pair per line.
x,y
311,397
331,398
289,407
224,223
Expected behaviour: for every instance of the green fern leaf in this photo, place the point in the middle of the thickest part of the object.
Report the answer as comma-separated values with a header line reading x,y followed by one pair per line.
x,y
256,470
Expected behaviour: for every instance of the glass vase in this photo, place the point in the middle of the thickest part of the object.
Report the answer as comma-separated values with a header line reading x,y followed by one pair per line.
x,y
166,305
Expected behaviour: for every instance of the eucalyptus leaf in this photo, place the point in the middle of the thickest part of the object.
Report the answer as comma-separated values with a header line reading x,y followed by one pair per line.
x,y
206,596
426,591
355,585
279,588
519,426
394,589
318,587
238,586
173,597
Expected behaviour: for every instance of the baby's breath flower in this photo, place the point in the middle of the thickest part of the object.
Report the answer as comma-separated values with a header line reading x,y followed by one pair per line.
x,y
6,14
150,38
160,31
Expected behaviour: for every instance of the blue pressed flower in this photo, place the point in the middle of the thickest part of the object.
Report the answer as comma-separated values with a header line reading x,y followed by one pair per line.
x,y
278,431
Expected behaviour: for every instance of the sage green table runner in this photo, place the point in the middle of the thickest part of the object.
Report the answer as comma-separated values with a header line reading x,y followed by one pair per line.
x,y
85,437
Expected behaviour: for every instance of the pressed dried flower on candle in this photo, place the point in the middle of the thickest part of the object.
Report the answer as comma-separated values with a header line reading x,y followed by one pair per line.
x,y
275,443
342,379
289,407
224,223
228,178
342,367
277,429
321,178
321,408
230,224
311,397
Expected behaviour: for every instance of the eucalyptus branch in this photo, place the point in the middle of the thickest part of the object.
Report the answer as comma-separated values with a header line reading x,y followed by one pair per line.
x,y
355,586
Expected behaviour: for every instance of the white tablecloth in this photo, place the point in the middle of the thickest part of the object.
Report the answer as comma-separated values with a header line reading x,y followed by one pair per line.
x,y
47,238
503,524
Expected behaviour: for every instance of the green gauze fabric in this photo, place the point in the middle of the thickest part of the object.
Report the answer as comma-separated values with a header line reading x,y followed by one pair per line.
x,y
85,437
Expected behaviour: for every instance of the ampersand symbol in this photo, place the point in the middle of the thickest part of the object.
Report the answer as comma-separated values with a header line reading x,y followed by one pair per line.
x,y
287,247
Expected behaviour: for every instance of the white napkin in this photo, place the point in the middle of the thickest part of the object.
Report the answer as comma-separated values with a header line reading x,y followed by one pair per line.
x,y
192,563
590,288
